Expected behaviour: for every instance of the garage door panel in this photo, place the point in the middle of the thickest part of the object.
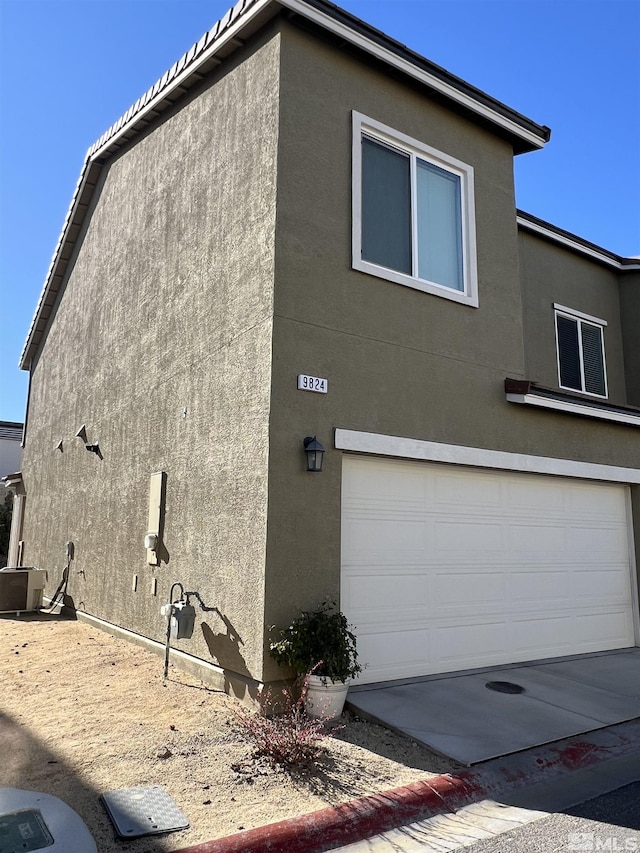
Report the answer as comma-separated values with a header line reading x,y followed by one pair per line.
x,y
468,589
450,568
610,504
461,644
467,536
536,538
376,534
542,636
394,654
531,497
603,586
599,540
399,484
534,585
382,592
606,629
455,491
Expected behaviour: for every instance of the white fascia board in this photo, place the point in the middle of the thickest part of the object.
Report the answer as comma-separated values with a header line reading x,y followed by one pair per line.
x,y
347,34
407,67
576,245
575,409
477,457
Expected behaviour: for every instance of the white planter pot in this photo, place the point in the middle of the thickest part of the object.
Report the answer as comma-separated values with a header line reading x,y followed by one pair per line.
x,y
325,698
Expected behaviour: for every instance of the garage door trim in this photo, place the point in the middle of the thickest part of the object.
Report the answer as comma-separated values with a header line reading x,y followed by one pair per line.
x,y
379,444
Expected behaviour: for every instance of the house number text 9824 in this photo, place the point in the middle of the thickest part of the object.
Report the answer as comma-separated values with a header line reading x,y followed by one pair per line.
x,y
312,383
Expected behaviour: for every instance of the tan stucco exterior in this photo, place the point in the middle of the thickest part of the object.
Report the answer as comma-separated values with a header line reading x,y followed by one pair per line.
x,y
161,345
215,267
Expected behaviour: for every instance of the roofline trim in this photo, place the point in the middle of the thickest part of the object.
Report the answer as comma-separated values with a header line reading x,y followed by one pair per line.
x,y
185,67
572,241
537,140
223,32
244,11
26,357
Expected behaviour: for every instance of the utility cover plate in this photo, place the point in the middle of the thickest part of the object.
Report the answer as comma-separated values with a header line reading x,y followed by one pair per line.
x,y
143,811
23,831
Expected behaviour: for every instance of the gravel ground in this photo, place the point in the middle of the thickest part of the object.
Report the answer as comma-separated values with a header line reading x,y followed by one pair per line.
x,y
82,713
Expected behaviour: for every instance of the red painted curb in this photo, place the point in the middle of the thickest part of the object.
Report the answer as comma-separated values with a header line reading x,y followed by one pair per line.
x,y
348,822
355,820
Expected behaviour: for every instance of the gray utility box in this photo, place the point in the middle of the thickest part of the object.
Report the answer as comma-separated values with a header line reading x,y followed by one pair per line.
x,y
21,588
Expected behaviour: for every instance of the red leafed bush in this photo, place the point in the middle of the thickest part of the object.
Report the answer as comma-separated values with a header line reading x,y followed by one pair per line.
x,y
289,737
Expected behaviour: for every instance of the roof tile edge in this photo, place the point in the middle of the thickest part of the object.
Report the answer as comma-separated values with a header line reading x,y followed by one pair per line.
x,y
192,58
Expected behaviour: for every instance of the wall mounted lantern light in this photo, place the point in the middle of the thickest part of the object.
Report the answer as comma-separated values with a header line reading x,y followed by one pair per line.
x,y
315,453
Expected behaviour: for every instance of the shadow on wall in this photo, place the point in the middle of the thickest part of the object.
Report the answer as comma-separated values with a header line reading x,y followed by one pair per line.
x,y
224,648
30,765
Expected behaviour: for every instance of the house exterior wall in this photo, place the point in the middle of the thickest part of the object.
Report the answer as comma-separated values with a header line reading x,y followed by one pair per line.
x,y
551,274
630,317
161,346
398,361
215,267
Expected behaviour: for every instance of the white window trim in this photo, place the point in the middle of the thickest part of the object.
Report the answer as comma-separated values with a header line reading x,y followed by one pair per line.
x,y
572,314
361,124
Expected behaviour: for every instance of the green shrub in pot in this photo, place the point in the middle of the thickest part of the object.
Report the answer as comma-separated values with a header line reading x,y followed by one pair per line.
x,y
320,640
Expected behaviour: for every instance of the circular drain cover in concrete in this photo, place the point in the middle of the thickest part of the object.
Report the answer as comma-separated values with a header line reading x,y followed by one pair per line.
x,y
504,687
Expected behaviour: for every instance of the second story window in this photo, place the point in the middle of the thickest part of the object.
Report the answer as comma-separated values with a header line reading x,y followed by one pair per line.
x,y
580,346
413,219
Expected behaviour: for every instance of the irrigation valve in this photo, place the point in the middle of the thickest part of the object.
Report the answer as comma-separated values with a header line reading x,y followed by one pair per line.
x,y
183,617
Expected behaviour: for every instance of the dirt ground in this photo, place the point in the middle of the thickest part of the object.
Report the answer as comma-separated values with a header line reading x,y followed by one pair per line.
x,y
82,713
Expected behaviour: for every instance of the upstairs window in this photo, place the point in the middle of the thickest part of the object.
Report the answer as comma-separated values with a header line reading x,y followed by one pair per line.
x,y
580,345
413,217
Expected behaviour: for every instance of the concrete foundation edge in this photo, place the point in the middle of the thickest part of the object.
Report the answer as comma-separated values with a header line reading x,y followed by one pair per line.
x,y
245,689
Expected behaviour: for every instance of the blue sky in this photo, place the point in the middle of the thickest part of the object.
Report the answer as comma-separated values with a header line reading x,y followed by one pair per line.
x,y
70,68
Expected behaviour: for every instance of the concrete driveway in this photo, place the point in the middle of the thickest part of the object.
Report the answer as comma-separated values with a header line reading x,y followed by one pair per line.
x,y
475,715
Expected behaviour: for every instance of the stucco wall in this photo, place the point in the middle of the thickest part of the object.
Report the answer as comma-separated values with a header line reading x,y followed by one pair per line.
x,y
161,345
549,274
170,306
630,316
398,361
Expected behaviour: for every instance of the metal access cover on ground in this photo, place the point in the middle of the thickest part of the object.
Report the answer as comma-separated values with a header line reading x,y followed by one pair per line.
x,y
143,811
23,831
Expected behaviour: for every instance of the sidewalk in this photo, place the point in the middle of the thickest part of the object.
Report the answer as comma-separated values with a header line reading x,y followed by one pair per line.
x,y
489,798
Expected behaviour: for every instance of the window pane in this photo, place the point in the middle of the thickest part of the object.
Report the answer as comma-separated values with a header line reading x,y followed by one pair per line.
x,y
386,207
439,226
593,359
568,353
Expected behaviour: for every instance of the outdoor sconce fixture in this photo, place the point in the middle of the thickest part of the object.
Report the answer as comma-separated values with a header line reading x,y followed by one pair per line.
x,y
94,448
315,453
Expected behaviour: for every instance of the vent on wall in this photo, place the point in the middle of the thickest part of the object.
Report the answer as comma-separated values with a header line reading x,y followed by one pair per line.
x,y
21,589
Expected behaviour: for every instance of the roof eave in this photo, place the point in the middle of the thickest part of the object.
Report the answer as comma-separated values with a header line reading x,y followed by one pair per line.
x,y
246,17
550,232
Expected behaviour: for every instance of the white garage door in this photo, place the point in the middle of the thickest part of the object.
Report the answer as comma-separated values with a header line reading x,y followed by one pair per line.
x,y
447,568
